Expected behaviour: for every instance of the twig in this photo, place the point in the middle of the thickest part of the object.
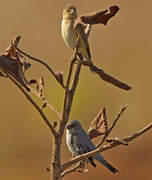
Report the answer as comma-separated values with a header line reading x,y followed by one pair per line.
x,y
138,133
45,101
88,30
42,62
67,97
73,169
106,147
34,104
56,166
122,109
106,77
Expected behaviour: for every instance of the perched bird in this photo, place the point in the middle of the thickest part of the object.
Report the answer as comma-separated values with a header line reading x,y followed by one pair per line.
x,y
70,35
79,143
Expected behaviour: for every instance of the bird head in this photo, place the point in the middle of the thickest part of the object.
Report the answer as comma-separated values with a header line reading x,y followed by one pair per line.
x,y
70,12
73,126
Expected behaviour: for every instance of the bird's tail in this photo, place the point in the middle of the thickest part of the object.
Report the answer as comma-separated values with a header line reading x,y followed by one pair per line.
x,y
105,163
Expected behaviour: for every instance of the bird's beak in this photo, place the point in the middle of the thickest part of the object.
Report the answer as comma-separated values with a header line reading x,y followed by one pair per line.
x,y
72,11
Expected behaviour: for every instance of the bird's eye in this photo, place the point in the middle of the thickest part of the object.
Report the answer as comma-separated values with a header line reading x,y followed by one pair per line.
x,y
72,11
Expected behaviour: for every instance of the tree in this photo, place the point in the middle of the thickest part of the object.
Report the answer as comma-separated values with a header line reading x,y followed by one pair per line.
x,y
13,66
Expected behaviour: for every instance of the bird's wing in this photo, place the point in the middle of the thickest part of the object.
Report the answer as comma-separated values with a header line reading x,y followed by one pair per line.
x,y
78,147
82,143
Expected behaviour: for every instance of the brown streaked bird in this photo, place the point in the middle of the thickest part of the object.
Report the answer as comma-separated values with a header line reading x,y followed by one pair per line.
x,y
70,35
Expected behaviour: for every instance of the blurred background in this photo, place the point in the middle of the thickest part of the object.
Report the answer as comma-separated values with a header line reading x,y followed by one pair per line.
x,y
122,49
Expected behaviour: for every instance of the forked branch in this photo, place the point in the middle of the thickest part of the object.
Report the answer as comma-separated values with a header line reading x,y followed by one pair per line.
x,y
106,147
34,104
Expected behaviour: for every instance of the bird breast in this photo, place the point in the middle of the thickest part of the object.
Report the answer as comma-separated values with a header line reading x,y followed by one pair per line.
x,y
68,33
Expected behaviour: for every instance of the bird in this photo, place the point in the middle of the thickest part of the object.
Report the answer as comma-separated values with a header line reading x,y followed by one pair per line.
x,y
79,142
70,34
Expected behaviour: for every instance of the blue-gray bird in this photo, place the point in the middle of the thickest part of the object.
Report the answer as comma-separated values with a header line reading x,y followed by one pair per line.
x,y
79,143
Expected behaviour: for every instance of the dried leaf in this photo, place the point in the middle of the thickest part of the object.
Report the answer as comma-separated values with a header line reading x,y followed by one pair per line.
x,y
55,124
123,108
99,125
11,51
48,169
14,68
100,17
25,64
10,62
33,81
44,105
41,82
108,78
60,77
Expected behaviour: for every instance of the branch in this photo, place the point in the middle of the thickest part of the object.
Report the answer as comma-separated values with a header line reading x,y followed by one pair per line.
x,y
68,97
106,147
45,101
73,169
122,109
106,77
34,104
42,62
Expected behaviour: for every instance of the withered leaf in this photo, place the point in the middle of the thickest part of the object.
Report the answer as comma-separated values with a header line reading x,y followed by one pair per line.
x,y
44,105
33,81
10,63
25,64
60,77
48,169
108,78
99,125
99,17
55,124
41,82
14,68
41,86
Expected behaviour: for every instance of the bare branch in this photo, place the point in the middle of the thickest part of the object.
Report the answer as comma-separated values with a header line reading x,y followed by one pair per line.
x,y
44,100
106,147
122,109
34,104
68,97
73,169
106,77
88,30
42,62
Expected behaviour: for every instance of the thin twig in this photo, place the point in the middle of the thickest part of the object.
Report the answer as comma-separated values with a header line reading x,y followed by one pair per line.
x,y
67,101
122,109
42,62
106,77
56,168
88,30
73,169
34,104
106,147
45,101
